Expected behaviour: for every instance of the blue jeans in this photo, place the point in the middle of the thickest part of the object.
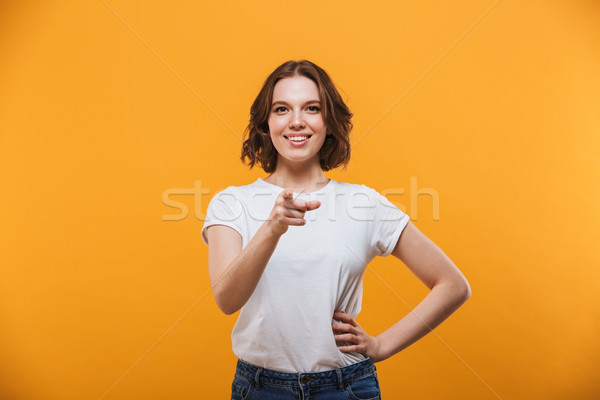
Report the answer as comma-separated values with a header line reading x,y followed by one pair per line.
x,y
358,381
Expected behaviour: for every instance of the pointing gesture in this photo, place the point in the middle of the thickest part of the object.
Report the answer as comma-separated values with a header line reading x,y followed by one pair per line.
x,y
289,211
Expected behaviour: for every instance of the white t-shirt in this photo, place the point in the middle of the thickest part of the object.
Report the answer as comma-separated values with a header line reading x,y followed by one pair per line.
x,y
316,269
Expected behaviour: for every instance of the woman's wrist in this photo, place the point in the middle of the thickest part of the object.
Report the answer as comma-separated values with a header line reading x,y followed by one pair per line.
x,y
378,354
271,230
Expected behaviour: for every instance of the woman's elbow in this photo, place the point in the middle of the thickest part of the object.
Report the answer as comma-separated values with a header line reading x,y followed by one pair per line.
x,y
459,288
225,306
457,285
225,310
462,288
466,292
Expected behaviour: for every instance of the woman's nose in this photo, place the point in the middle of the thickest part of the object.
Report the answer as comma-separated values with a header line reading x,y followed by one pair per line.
x,y
297,121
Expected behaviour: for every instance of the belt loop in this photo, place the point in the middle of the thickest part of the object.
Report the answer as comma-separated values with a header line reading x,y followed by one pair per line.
x,y
256,378
340,380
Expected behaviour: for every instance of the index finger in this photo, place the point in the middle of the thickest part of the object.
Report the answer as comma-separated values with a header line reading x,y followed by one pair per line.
x,y
295,203
342,316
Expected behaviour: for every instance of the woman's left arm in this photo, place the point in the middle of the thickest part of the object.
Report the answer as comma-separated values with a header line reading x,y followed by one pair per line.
x,y
449,290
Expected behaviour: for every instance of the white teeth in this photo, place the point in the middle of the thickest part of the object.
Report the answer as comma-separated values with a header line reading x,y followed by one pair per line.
x,y
298,138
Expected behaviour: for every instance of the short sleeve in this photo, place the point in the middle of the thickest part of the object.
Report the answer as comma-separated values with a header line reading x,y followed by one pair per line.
x,y
389,222
225,208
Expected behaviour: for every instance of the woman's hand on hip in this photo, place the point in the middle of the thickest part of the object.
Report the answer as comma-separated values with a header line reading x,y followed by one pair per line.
x,y
359,341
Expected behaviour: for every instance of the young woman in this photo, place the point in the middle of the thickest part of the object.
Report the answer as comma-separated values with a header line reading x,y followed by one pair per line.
x,y
290,251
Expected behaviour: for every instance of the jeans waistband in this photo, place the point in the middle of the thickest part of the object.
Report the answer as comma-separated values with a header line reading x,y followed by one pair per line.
x,y
339,376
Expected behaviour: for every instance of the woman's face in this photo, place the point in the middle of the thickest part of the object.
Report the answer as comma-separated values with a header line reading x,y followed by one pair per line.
x,y
296,113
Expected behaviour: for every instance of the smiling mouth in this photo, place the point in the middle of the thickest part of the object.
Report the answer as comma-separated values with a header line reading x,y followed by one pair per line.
x,y
298,138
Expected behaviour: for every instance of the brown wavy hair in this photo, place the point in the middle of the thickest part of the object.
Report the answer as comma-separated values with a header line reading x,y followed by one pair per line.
x,y
258,147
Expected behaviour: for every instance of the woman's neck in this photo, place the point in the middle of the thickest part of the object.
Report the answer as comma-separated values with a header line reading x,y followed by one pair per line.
x,y
298,180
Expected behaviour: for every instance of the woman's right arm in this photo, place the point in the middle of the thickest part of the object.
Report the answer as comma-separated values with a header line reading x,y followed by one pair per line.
x,y
234,273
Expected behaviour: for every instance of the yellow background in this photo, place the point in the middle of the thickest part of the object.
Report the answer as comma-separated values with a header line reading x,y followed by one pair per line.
x,y
106,107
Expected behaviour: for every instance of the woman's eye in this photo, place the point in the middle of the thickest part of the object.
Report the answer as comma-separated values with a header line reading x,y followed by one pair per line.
x,y
310,108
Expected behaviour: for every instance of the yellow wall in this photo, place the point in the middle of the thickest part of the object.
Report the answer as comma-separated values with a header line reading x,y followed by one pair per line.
x,y
107,106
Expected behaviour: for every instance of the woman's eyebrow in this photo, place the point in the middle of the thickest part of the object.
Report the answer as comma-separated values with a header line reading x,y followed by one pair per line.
x,y
283,102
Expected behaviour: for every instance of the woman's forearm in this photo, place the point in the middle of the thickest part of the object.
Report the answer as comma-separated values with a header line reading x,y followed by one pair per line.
x,y
439,304
236,284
